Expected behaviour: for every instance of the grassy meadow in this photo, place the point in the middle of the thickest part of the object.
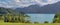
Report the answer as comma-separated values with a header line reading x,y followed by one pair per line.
x,y
4,23
26,24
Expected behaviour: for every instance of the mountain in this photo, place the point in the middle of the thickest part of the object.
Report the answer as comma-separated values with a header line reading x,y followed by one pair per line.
x,y
10,11
7,11
51,8
47,9
30,9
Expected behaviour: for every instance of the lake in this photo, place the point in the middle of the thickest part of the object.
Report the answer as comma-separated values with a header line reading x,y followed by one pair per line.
x,y
41,17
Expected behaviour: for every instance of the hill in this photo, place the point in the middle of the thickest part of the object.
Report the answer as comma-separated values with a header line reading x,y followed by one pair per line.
x,y
9,15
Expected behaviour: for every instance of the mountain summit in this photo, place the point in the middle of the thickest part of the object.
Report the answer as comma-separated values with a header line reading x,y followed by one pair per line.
x,y
47,9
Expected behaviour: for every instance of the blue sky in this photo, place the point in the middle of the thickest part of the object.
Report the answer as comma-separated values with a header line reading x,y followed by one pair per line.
x,y
25,3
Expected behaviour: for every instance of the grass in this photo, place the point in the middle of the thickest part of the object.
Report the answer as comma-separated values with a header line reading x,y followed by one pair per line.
x,y
26,24
2,23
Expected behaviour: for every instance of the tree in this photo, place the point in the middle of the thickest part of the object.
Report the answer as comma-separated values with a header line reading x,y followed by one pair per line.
x,y
46,22
56,18
36,22
0,17
28,21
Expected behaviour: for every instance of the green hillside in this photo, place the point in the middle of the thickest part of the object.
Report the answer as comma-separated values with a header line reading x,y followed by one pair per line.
x,y
9,15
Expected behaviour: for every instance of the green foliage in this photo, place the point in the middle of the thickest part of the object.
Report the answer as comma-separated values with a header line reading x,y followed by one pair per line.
x,y
46,22
56,18
36,22
10,15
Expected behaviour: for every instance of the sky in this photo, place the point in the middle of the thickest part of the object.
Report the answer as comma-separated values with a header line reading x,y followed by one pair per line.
x,y
25,3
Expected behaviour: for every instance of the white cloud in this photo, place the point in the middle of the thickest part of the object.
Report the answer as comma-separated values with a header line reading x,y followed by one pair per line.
x,y
45,3
25,3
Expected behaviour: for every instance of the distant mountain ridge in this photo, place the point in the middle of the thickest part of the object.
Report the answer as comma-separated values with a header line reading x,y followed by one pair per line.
x,y
8,11
47,9
30,9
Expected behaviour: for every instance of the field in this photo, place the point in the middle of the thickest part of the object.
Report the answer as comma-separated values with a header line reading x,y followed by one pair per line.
x,y
26,24
2,23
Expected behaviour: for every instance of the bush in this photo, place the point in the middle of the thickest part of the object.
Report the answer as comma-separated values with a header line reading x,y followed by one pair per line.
x,y
46,22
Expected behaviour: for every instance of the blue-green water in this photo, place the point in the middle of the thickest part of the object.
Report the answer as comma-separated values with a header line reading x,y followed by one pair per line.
x,y
41,17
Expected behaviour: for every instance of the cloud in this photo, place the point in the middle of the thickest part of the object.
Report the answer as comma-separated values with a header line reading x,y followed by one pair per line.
x,y
43,2
25,3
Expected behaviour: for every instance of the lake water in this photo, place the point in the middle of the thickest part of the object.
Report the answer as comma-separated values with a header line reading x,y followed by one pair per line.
x,y
41,17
